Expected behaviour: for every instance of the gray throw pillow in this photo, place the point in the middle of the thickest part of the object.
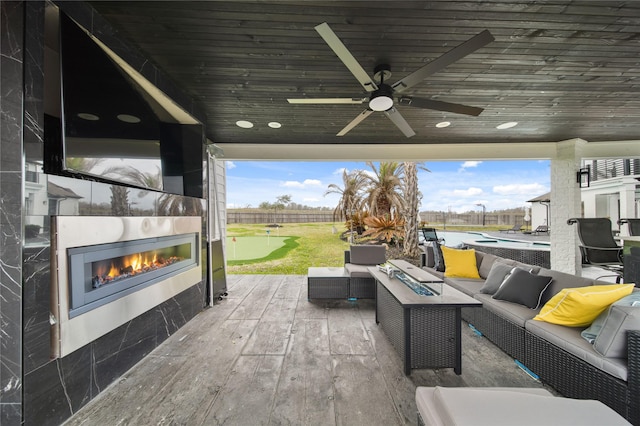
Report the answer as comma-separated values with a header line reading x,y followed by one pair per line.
x,y
591,333
438,258
496,276
612,339
524,288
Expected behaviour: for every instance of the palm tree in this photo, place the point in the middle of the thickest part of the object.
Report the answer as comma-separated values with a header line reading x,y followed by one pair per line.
x,y
410,212
179,205
350,194
412,200
384,189
137,177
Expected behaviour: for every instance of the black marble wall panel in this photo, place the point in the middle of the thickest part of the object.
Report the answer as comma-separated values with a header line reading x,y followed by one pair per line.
x,y
55,389
121,349
37,306
58,389
11,116
35,255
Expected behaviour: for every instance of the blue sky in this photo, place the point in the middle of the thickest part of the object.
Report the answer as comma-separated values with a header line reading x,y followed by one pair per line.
x,y
452,185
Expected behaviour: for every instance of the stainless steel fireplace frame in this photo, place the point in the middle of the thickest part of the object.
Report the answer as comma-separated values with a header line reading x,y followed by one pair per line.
x,y
85,298
71,332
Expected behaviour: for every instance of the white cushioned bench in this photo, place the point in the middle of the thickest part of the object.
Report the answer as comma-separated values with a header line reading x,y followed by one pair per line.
x,y
441,406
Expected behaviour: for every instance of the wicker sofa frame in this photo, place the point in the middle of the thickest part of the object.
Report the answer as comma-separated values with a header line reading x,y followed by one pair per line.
x,y
569,375
360,287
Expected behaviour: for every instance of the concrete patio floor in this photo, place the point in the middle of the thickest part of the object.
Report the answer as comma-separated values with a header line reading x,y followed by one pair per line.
x,y
265,355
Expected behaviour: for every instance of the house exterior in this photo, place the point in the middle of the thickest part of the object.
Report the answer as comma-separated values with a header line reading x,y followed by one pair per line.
x,y
612,190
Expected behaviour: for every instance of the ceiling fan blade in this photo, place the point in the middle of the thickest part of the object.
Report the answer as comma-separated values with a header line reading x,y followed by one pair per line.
x,y
459,52
364,114
327,101
440,106
346,57
395,116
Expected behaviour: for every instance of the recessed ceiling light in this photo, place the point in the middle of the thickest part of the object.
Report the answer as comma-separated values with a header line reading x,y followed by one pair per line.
x,y
443,124
88,116
244,124
275,125
128,118
508,125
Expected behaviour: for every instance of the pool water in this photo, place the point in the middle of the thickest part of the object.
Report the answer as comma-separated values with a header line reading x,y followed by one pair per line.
x,y
455,239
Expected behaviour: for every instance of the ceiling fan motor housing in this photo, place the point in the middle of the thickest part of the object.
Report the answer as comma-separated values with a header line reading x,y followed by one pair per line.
x,y
381,99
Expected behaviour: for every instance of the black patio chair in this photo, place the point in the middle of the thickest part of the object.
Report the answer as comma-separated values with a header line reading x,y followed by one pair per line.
x,y
597,245
429,234
633,224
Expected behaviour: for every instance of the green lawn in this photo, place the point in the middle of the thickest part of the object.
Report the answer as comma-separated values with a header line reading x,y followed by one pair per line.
x,y
304,245
242,249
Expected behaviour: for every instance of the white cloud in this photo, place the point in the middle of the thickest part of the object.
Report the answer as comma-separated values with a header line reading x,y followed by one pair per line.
x,y
340,171
469,192
530,189
296,184
469,164
230,165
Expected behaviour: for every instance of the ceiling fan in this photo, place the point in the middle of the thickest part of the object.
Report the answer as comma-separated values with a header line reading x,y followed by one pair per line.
x,y
383,96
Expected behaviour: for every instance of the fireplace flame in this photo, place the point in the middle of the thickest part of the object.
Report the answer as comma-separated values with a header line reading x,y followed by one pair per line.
x,y
128,266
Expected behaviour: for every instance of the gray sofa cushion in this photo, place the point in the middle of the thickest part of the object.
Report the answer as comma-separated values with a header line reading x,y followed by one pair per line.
x,y
560,281
513,312
368,254
469,286
485,262
360,271
569,339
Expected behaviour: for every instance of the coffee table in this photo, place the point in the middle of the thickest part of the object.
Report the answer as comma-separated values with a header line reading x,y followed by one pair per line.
x,y
328,283
425,330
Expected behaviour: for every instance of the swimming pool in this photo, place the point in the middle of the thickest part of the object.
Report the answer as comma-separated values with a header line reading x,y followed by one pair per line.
x,y
530,252
454,238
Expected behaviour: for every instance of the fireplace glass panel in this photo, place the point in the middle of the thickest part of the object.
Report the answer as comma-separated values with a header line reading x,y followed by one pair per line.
x,y
102,273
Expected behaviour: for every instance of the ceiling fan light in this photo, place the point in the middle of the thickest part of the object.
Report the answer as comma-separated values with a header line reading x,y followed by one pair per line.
x,y
381,103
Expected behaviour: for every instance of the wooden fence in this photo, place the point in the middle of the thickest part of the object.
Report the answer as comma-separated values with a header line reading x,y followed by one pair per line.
x,y
280,217
440,218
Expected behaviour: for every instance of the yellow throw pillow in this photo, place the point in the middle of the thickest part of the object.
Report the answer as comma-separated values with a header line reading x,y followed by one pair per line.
x,y
579,306
460,263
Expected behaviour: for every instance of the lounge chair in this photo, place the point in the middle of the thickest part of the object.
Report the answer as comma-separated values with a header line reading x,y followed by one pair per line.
x,y
597,246
542,229
516,228
633,224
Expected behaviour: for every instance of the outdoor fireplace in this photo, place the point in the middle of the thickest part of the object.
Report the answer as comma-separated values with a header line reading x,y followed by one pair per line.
x,y
112,269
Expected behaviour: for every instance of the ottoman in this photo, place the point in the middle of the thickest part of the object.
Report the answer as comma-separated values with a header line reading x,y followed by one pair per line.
x,y
508,406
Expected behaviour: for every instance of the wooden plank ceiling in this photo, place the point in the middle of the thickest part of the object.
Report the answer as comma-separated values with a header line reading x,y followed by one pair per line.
x,y
561,69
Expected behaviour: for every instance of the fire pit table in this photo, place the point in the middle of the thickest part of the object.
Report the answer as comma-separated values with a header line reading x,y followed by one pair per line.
x,y
421,316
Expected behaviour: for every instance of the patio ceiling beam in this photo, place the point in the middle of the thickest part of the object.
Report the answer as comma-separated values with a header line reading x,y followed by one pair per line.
x,y
419,152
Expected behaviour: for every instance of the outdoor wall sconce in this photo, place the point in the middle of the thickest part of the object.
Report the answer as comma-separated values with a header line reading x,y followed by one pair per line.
x,y
583,177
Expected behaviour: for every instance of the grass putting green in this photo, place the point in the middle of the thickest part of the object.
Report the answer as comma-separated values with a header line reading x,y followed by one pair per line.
x,y
253,249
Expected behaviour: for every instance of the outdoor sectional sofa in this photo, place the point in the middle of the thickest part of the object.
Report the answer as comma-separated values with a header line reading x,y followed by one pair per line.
x,y
559,355
357,260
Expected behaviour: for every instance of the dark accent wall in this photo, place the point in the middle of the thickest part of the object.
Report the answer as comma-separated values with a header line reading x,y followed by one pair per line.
x,y
34,389
12,21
